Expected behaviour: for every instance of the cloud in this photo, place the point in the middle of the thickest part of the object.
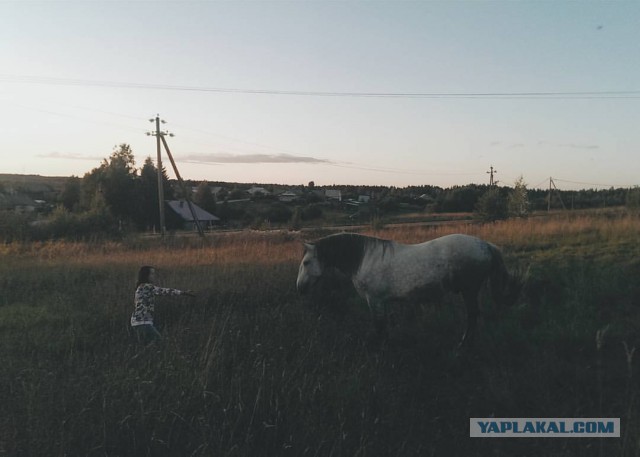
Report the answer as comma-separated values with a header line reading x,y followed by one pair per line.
x,y
579,146
250,158
219,158
68,156
569,145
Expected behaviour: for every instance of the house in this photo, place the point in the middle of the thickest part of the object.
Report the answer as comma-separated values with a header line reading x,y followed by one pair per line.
x,y
333,194
215,190
180,208
258,191
288,196
364,198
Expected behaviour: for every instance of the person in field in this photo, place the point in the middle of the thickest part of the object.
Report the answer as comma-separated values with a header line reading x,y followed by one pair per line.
x,y
144,301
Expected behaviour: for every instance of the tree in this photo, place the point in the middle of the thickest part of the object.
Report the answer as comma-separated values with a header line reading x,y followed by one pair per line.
x,y
237,193
119,182
148,214
115,181
491,205
204,197
633,200
70,195
459,198
518,200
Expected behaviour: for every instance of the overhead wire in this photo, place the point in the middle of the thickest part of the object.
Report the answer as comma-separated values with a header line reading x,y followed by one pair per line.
x,y
593,184
203,162
627,94
631,94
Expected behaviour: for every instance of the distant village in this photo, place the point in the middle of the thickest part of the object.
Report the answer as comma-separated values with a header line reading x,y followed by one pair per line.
x,y
232,203
33,194
40,201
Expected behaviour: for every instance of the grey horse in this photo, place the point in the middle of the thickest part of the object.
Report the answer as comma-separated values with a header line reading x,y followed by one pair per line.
x,y
386,273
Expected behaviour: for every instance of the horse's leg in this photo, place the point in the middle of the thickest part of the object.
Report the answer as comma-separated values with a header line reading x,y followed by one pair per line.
x,y
471,303
379,318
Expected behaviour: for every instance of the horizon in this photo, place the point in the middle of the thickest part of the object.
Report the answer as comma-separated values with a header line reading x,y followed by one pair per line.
x,y
371,94
260,184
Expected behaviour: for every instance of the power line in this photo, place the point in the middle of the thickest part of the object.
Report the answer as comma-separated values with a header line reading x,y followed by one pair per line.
x,y
631,94
592,184
537,186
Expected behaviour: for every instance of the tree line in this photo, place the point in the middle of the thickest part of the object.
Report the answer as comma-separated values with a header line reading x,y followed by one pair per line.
x,y
117,196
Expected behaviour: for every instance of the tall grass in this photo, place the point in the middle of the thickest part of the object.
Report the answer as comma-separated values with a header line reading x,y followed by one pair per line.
x,y
249,368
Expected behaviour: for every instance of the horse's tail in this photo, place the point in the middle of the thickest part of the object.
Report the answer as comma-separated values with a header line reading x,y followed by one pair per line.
x,y
505,288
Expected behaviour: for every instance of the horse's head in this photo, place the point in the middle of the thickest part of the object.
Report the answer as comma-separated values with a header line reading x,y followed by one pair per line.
x,y
310,269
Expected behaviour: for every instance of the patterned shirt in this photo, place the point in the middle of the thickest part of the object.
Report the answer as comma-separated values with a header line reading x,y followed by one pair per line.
x,y
145,303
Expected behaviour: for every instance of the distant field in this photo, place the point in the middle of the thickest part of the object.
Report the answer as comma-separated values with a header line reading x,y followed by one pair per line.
x,y
55,182
248,368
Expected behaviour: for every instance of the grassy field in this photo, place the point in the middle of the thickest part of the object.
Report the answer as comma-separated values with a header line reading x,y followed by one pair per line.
x,y
248,368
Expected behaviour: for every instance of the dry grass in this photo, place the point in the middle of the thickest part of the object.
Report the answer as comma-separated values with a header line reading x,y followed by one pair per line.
x,y
263,248
244,248
248,369
608,235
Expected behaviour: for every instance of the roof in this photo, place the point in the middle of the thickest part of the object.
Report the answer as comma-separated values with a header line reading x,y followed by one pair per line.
x,y
181,208
258,190
333,193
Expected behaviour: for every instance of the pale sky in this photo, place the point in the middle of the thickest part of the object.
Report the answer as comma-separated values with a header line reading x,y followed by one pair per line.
x,y
538,89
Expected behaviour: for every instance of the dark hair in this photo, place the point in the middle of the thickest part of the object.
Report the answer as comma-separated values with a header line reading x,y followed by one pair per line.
x,y
143,274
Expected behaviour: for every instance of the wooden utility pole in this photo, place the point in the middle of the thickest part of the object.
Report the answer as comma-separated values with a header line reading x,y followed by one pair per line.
x,y
187,192
160,141
552,185
158,136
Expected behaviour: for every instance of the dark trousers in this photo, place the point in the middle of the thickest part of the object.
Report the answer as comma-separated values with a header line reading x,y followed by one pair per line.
x,y
146,333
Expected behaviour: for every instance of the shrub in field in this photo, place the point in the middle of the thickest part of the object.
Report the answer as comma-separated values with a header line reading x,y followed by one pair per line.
x,y
518,200
62,224
491,205
14,227
311,212
277,212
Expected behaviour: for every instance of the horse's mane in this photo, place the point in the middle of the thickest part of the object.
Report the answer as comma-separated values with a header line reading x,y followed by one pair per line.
x,y
345,251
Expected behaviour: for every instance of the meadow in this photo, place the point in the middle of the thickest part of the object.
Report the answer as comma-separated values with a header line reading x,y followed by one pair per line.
x,y
249,368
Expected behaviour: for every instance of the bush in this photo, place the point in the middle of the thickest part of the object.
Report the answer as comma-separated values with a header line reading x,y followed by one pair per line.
x,y
518,200
311,212
277,213
491,205
14,227
71,226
